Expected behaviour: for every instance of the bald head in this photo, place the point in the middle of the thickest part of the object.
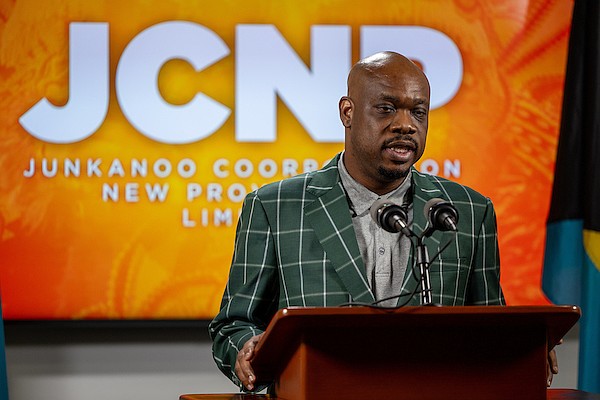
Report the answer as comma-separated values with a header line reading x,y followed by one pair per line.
x,y
381,65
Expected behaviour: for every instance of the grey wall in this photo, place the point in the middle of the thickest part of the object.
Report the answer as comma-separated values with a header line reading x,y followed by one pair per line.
x,y
112,371
140,367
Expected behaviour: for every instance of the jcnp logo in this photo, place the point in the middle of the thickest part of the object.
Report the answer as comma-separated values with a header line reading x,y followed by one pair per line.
x,y
265,67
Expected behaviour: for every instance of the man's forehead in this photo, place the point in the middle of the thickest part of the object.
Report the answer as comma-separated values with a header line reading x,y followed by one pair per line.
x,y
389,82
412,97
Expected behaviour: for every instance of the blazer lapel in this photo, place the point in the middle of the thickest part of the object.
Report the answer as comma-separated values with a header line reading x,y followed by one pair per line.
x,y
330,219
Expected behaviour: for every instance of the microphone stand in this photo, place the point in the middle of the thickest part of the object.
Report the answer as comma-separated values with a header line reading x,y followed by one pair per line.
x,y
423,263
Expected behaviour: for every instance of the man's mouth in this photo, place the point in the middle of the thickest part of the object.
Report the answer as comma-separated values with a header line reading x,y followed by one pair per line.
x,y
400,151
406,142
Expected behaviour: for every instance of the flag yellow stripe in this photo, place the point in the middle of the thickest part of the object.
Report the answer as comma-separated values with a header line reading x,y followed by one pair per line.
x,y
591,242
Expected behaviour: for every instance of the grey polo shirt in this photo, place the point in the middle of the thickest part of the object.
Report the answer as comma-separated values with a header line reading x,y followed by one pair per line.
x,y
385,254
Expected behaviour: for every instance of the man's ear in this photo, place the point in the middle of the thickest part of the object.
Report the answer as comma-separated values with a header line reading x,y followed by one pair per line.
x,y
346,109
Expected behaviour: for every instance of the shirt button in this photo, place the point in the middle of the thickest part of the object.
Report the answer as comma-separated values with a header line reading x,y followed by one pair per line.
x,y
381,251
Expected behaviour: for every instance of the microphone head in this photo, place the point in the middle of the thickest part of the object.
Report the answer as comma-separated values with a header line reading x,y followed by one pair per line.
x,y
386,214
377,207
429,205
441,214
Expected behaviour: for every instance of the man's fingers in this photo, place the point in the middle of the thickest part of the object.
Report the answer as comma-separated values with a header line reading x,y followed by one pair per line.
x,y
250,378
553,361
245,373
552,367
242,365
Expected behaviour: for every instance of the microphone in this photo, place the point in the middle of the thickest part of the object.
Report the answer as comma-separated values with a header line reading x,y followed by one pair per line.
x,y
390,217
441,214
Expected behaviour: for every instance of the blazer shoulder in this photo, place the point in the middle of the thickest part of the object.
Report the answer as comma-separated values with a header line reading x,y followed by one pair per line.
x,y
451,190
313,183
285,187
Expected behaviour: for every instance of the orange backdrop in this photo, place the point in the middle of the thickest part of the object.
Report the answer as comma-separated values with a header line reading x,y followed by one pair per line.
x,y
65,252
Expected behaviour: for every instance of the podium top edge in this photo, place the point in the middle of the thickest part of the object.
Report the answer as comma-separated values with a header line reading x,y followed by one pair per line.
x,y
427,310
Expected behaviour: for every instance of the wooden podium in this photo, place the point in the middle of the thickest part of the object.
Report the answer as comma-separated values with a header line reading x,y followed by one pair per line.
x,y
553,394
417,353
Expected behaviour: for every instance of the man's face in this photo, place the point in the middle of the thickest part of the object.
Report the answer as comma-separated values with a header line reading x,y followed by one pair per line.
x,y
386,115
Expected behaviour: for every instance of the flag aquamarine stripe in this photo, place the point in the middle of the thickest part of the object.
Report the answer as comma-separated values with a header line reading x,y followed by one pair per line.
x,y
570,277
589,337
563,259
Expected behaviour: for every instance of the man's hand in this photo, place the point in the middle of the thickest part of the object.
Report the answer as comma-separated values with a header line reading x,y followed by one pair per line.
x,y
242,365
552,366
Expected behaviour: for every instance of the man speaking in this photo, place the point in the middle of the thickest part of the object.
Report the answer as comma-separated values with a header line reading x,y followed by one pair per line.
x,y
310,240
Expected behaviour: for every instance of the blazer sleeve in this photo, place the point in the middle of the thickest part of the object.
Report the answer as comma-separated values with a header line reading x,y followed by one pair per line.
x,y
484,283
251,295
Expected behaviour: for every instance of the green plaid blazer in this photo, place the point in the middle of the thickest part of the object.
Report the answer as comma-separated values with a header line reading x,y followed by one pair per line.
x,y
295,246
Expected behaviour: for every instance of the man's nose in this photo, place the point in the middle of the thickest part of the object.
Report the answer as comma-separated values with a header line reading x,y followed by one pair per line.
x,y
403,122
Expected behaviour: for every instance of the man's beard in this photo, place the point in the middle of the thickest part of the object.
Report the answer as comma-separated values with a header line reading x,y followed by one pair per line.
x,y
392,174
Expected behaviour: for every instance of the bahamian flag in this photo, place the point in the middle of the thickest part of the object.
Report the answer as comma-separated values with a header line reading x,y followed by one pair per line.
x,y
572,256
